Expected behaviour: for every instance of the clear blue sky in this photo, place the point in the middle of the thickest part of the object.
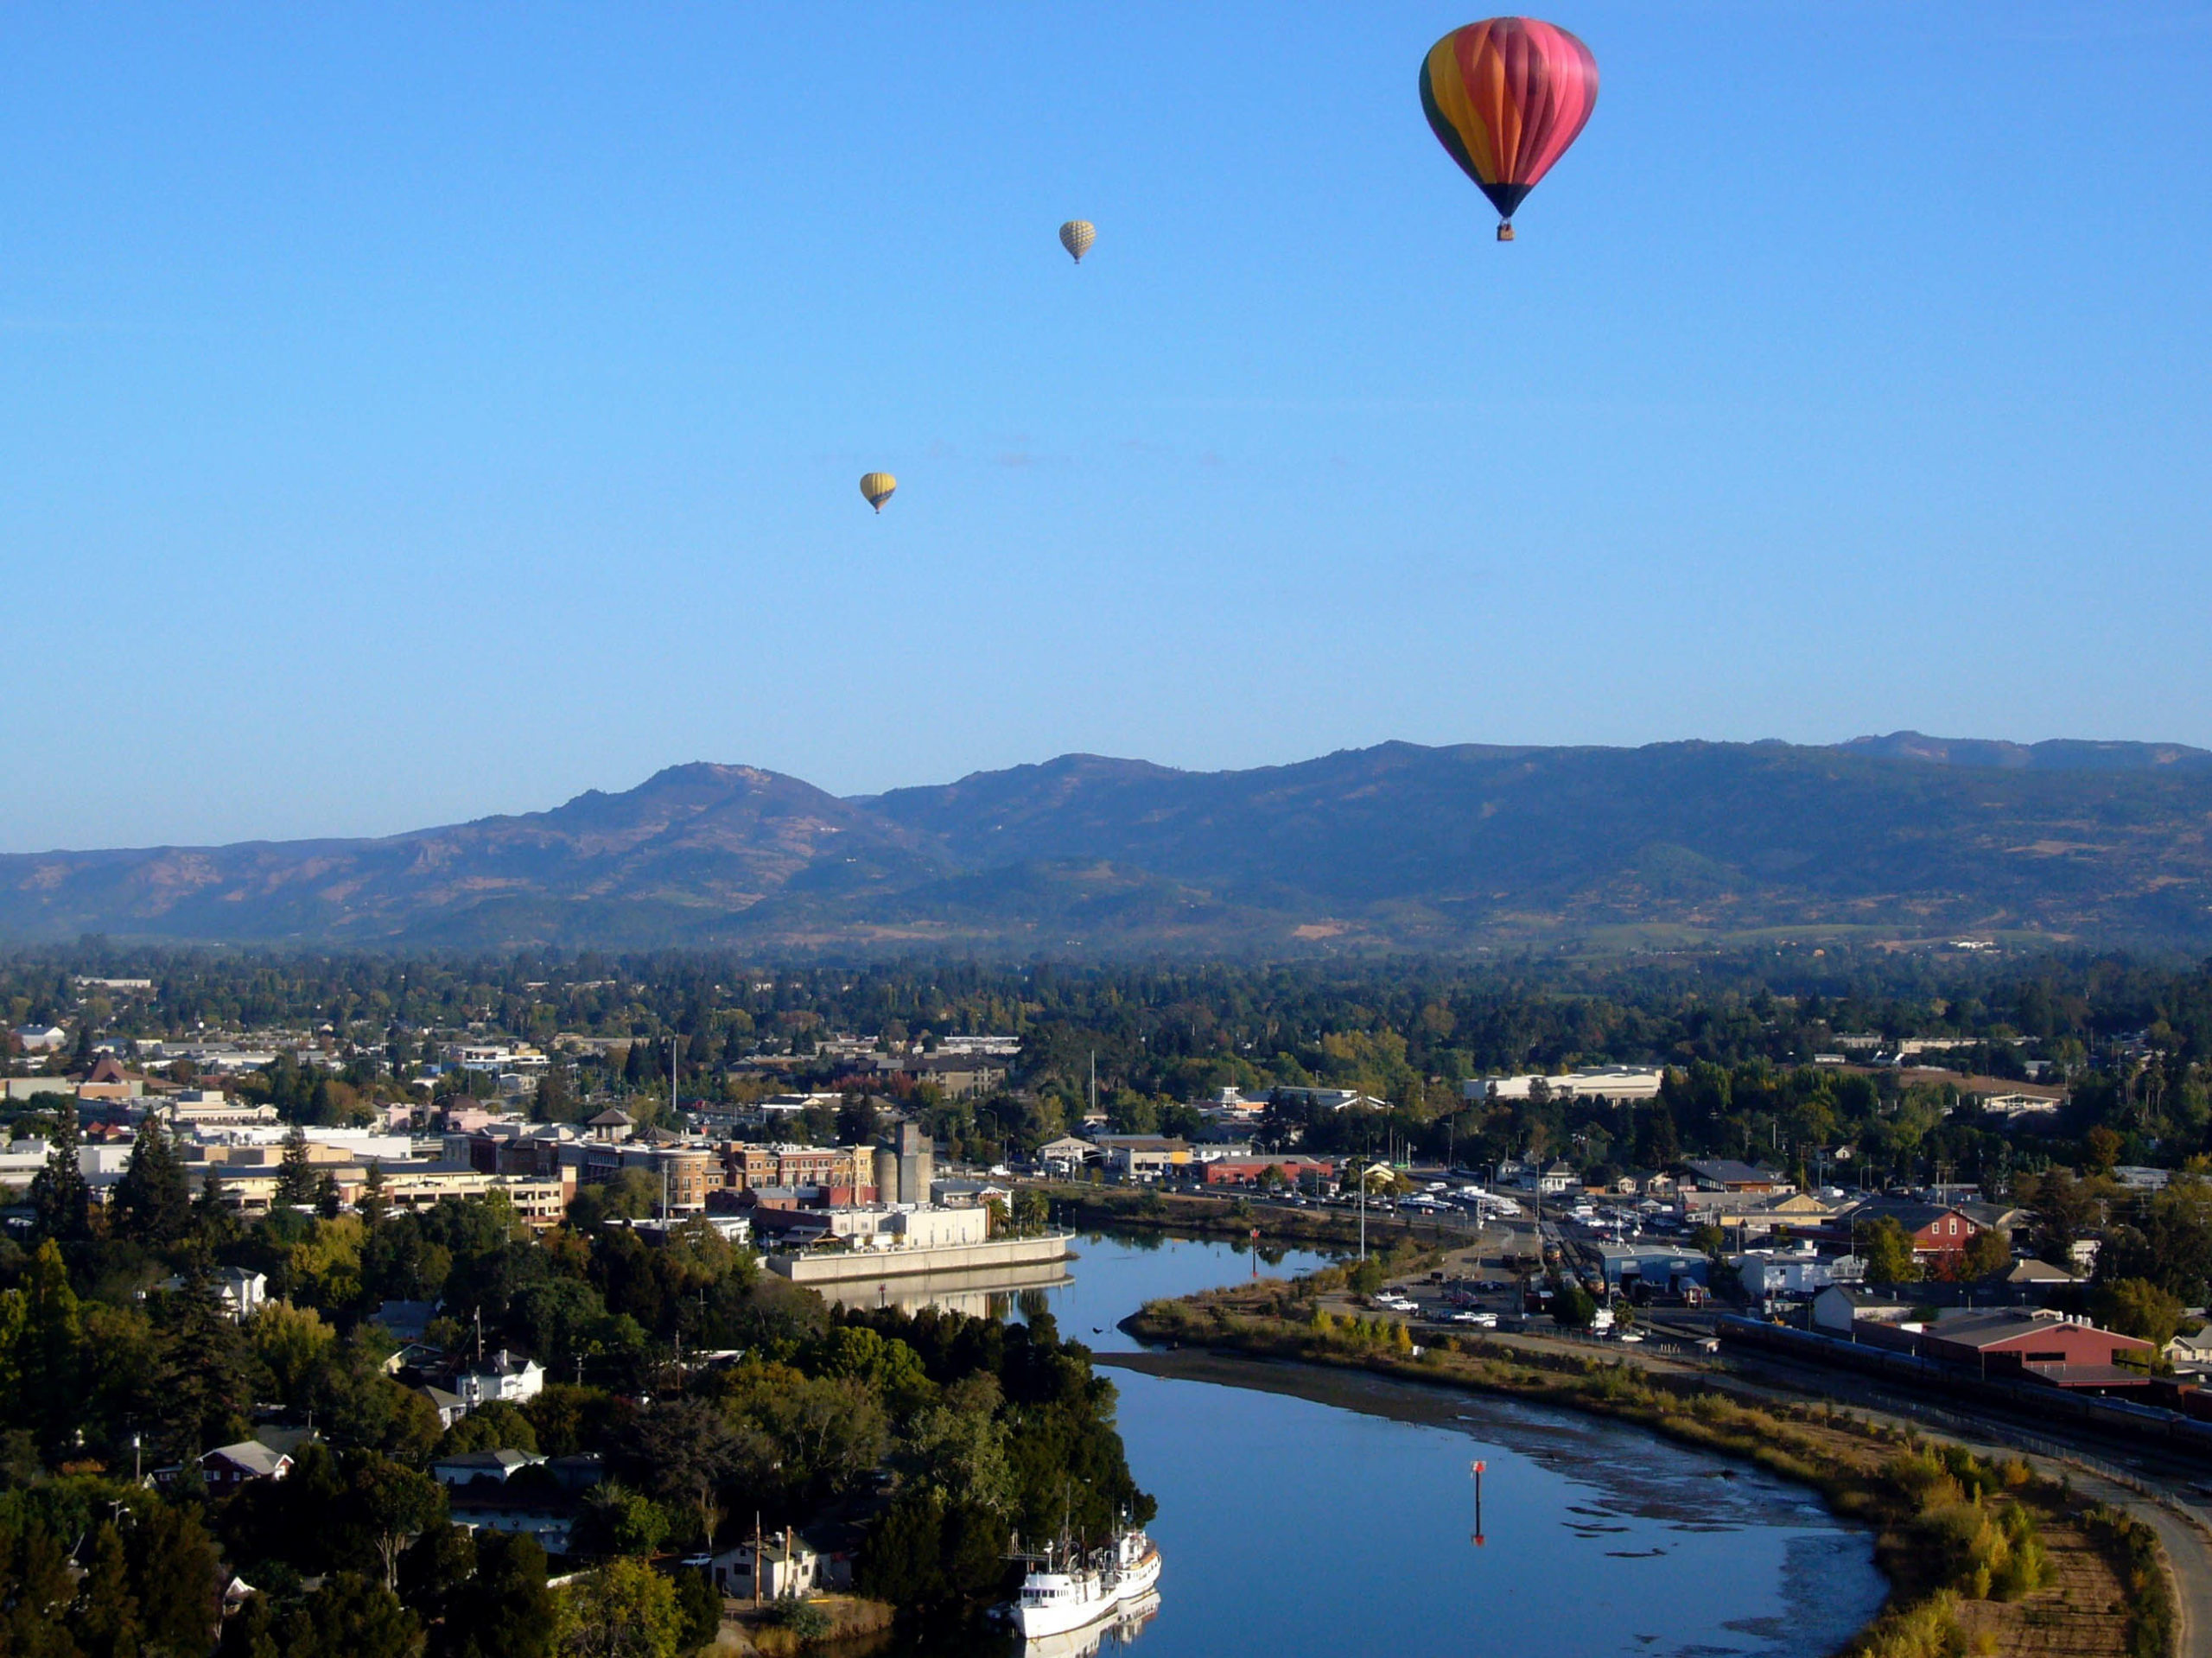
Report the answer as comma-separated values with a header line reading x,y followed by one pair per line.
x,y
405,417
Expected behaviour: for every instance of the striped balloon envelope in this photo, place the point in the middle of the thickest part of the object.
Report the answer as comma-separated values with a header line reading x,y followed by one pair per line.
x,y
1506,98
877,486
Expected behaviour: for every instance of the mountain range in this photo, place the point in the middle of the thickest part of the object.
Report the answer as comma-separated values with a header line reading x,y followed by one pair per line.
x,y
1397,847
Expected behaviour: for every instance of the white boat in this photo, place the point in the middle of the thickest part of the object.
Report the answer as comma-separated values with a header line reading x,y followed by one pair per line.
x,y
1068,1590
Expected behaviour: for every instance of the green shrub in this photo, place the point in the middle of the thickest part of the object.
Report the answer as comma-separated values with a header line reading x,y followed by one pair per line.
x,y
802,1617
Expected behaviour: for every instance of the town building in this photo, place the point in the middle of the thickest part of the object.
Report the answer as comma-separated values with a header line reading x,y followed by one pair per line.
x,y
1066,1155
958,1076
208,1107
1726,1174
2018,1104
685,1175
1641,1270
1612,1083
2066,1352
228,1467
905,1168
1936,1230
2191,1355
544,1506
1302,1173
242,1291
1795,1273
1758,1214
483,1467
1142,1157
1839,1309
789,1568
504,1377
970,1194
1327,1099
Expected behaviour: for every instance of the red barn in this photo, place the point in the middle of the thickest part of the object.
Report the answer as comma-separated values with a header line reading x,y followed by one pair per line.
x,y
2063,1351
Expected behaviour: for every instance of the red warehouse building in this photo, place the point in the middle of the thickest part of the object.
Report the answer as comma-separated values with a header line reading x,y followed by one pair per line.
x,y
1248,1171
2063,1351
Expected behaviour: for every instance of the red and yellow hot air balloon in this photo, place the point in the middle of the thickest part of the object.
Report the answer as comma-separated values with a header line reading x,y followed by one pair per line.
x,y
1506,98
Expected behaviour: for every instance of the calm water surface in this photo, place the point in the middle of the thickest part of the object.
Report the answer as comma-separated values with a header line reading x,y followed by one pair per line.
x,y
1288,1527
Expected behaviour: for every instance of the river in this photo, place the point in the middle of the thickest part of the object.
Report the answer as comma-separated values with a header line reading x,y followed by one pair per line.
x,y
1291,1527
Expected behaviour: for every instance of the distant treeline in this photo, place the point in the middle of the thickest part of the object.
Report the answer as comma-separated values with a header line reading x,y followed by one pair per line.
x,y
1533,1011
2131,1034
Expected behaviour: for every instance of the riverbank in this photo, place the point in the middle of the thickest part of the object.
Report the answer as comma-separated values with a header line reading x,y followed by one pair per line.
x,y
833,1626
1979,1554
1101,1209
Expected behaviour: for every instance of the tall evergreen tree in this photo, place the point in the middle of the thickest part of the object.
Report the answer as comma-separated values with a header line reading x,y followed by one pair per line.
x,y
105,1614
172,1573
251,1632
295,1177
36,1576
204,1392
210,1210
508,1612
49,1347
153,1203
374,1204
59,1191
352,1616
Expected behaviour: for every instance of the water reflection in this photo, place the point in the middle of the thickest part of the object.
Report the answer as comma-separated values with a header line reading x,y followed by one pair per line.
x,y
1119,1630
985,1292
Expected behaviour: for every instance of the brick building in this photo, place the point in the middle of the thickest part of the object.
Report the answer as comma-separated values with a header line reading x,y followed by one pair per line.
x,y
1936,1230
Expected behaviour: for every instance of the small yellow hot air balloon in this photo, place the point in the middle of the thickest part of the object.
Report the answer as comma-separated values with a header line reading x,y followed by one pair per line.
x,y
877,486
1077,235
